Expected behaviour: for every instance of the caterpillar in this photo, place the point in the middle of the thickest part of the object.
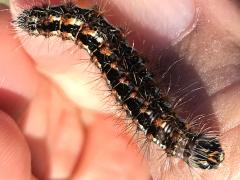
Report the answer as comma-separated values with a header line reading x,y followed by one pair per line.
x,y
128,78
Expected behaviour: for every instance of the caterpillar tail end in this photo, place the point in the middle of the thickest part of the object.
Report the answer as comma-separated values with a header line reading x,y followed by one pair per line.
x,y
205,153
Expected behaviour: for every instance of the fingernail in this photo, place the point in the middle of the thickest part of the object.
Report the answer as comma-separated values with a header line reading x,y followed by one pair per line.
x,y
167,18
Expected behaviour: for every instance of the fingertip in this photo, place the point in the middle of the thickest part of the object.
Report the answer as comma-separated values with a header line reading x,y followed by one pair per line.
x,y
156,22
18,77
14,152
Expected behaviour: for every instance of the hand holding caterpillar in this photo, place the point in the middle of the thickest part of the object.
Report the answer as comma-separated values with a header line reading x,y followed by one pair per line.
x,y
180,116
127,77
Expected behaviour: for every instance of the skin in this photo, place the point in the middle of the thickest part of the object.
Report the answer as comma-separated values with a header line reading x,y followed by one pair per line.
x,y
48,130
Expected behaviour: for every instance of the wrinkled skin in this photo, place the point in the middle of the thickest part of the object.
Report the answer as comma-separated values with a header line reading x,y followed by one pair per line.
x,y
48,119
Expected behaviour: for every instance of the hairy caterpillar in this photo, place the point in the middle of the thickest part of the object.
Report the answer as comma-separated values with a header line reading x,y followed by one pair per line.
x,y
127,77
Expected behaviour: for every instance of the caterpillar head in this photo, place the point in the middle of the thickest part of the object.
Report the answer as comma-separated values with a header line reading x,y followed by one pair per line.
x,y
29,20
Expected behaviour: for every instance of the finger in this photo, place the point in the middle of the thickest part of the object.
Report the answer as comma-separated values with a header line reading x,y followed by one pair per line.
x,y
17,72
157,22
54,133
14,152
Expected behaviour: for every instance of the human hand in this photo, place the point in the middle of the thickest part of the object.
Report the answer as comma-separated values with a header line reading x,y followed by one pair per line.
x,y
60,143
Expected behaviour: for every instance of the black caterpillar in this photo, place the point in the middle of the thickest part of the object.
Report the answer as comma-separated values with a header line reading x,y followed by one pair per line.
x,y
127,77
